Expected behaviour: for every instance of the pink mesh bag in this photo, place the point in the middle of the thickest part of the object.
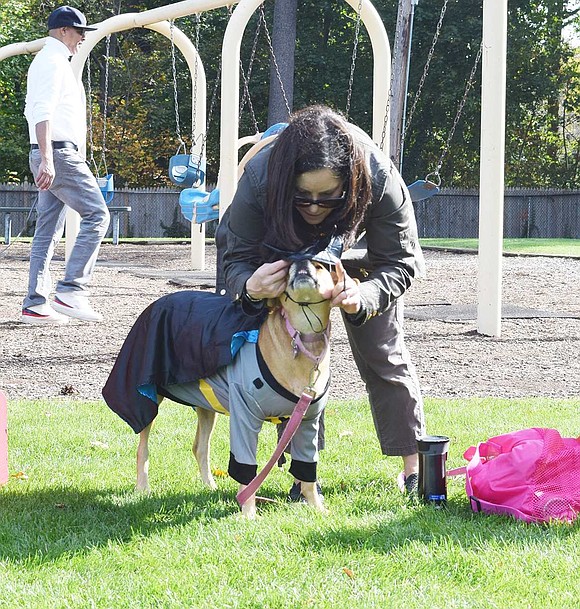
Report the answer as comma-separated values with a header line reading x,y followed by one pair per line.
x,y
532,474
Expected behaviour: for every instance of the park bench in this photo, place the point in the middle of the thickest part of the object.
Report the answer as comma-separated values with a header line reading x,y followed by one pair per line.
x,y
115,211
8,211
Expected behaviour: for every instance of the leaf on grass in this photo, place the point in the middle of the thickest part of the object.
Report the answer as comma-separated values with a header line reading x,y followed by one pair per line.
x,y
219,473
20,476
98,444
59,505
348,572
345,434
68,390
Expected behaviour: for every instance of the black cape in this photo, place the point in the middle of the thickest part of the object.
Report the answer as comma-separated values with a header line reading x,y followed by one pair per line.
x,y
179,338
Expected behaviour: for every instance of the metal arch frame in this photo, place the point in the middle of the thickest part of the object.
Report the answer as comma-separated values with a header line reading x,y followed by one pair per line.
x,y
231,85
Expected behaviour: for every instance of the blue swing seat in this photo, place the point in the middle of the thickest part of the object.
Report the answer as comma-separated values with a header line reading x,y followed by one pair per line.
x,y
199,206
186,170
107,187
422,189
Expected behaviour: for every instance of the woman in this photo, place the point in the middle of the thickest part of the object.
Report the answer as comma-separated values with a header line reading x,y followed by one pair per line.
x,y
322,179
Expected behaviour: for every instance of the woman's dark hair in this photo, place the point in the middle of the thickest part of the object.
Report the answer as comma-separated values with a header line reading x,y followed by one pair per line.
x,y
316,137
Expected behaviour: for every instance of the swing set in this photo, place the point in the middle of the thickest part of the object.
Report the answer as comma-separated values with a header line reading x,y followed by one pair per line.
x,y
493,54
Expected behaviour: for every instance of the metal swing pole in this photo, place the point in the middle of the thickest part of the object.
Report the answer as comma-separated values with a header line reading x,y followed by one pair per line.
x,y
401,147
491,175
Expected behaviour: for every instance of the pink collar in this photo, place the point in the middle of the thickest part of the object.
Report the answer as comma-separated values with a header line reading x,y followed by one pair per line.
x,y
298,340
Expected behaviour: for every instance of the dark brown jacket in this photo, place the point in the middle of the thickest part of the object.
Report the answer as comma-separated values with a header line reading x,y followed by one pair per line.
x,y
386,258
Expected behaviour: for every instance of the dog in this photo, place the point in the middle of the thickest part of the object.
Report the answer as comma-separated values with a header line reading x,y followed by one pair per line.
x,y
291,354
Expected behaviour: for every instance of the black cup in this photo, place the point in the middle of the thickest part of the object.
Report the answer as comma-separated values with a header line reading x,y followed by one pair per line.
x,y
432,477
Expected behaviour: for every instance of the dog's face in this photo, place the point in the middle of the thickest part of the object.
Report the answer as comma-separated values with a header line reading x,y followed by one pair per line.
x,y
309,281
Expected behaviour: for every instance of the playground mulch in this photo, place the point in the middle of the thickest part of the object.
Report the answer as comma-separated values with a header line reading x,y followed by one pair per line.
x,y
536,355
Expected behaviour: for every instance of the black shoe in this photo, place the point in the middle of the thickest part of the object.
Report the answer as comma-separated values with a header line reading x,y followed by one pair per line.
x,y
295,495
409,485
412,486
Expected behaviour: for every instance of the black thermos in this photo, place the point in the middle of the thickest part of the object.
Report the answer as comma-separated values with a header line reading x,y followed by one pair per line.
x,y
432,478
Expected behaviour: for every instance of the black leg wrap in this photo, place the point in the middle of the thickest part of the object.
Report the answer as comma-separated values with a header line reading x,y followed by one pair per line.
x,y
241,472
306,472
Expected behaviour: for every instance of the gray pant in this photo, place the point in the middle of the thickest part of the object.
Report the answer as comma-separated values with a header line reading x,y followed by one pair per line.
x,y
384,363
74,186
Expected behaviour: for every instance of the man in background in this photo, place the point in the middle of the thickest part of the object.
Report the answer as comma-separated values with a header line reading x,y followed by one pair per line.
x,y
56,114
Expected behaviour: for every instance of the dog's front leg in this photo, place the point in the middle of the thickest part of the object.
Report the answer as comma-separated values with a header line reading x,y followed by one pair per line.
x,y
249,508
310,493
143,460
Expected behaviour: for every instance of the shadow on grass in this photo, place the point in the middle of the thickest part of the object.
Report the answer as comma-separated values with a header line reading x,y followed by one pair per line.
x,y
44,525
401,522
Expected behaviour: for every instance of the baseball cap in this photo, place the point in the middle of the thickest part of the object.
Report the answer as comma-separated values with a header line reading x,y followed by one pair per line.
x,y
67,16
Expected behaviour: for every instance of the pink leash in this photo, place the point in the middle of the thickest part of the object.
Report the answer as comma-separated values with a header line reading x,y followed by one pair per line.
x,y
297,414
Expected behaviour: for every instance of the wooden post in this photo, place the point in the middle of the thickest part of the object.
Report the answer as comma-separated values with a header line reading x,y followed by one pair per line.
x,y
282,75
3,439
400,70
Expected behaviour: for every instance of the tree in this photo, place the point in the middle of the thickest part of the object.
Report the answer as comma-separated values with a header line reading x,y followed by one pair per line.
x,y
543,96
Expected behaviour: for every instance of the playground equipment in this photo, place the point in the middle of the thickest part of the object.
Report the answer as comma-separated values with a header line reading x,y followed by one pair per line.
x,y
493,114
104,180
185,169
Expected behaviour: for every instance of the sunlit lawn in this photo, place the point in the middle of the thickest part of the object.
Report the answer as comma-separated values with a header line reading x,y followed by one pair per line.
x,y
549,247
73,533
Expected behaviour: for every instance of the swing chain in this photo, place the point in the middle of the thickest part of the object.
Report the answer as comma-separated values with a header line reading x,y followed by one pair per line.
x,y
246,78
468,87
105,104
425,70
90,121
353,59
211,109
273,58
175,100
195,73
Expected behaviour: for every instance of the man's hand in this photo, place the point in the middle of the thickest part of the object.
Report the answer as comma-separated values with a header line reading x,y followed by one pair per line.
x,y
269,280
346,293
45,174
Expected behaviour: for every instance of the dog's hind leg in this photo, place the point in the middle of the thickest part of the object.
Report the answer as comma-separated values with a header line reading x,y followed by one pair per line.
x,y
201,445
143,460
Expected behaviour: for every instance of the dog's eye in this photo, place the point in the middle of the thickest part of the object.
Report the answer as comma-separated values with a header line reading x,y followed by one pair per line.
x,y
323,265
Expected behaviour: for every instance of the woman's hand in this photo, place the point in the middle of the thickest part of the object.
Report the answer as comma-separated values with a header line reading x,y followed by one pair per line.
x,y
346,293
269,280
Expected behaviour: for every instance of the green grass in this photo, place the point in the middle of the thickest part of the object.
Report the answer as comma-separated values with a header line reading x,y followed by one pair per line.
x,y
550,247
75,534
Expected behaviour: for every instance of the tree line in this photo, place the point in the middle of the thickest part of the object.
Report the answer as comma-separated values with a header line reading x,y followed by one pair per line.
x,y
543,86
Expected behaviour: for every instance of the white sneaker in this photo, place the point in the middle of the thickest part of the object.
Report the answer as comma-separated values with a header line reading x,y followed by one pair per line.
x,y
42,315
75,304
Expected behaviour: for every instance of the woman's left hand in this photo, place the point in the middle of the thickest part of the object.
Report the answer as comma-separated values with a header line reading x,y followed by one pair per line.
x,y
346,293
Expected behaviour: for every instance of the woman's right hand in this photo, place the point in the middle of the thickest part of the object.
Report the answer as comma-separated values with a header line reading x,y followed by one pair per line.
x,y
269,280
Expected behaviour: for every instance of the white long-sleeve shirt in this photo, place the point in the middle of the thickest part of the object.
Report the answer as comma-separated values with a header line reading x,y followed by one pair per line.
x,y
54,94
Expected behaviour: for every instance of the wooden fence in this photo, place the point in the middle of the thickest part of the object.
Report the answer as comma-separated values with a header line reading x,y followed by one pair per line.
x,y
451,213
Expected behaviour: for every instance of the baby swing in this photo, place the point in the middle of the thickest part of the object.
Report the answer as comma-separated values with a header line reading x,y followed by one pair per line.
x,y
186,170
426,188
106,180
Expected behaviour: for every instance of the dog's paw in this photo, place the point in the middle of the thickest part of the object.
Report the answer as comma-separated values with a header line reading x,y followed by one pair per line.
x,y
249,510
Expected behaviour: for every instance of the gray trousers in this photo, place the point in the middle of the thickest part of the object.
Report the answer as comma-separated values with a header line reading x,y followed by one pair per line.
x,y
74,186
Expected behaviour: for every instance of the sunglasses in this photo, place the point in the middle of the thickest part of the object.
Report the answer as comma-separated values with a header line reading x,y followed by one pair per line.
x,y
329,203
